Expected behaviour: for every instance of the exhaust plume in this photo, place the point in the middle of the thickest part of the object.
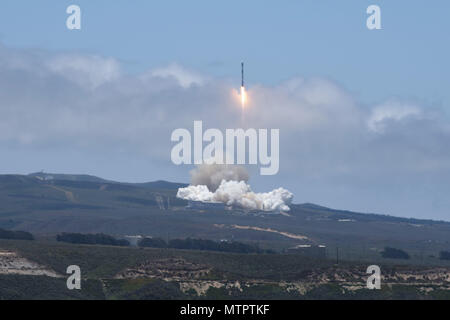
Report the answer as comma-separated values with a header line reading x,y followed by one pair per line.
x,y
228,184
211,175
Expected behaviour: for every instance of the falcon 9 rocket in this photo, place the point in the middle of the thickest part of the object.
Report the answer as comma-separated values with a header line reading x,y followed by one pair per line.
x,y
243,93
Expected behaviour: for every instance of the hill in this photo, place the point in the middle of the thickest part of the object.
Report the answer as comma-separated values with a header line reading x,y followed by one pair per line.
x,y
70,177
159,184
87,204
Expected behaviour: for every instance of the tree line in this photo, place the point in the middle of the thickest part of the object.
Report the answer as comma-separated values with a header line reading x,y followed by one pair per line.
x,y
98,238
444,255
394,253
16,235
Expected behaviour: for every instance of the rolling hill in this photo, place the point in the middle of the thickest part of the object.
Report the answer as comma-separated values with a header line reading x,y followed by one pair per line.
x,y
47,204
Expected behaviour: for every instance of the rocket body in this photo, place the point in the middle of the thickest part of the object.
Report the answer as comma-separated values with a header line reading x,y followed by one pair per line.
x,y
242,74
243,93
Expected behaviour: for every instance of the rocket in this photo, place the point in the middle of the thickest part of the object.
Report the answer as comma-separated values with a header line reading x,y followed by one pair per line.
x,y
242,74
243,93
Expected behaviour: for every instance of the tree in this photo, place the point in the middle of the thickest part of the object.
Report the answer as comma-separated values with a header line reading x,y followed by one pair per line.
x,y
394,253
444,255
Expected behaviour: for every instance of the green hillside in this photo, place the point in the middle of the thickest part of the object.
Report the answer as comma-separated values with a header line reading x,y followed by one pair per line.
x,y
87,204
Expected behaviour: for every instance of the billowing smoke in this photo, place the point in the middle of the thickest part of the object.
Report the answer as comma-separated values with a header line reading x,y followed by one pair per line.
x,y
228,184
211,175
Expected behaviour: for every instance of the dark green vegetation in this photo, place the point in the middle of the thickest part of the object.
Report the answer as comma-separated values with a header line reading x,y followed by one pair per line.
x,y
152,243
394,253
444,255
18,235
98,238
201,244
17,287
106,261
265,273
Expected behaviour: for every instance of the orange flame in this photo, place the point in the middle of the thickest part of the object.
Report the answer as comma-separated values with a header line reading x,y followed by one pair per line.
x,y
243,96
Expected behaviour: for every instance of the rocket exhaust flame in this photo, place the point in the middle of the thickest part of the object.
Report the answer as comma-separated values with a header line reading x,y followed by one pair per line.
x,y
243,97
243,93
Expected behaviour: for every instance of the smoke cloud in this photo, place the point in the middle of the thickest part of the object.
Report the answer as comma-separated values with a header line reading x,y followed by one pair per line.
x,y
211,175
228,184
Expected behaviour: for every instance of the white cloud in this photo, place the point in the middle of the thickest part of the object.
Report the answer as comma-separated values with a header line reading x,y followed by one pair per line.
x,y
183,76
86,70
391,111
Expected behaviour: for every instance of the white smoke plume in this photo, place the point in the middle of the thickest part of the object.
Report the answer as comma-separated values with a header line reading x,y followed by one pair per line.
x,y
211,175
232,189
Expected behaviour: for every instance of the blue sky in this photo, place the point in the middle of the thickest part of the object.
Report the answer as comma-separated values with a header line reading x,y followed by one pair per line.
x,y
276,39
364,115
